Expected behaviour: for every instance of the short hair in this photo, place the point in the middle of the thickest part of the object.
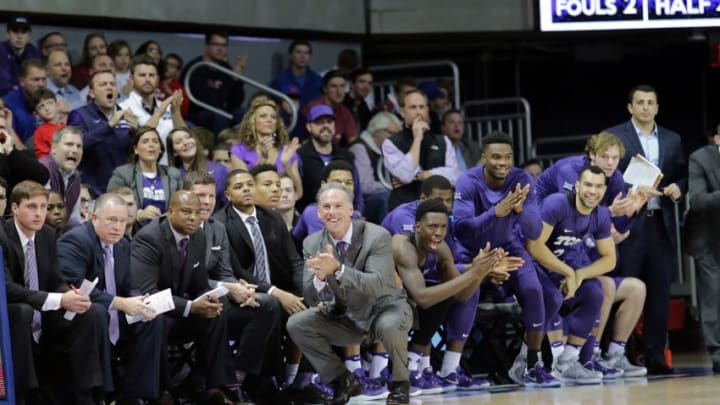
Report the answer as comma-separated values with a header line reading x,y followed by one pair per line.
x,y
382,120
403,82
106,199
447,114
142,49
121,190
603,141
361,71
334,186
31,63
39,96
332,74
401,98
213,33
298,42
435,182
496,137
336,165
27,189
430,205
135,140
44,38
265,167
142,59
594,170
233,173
646,88
91,81
197,178
116,46
531,162
3,184
60,133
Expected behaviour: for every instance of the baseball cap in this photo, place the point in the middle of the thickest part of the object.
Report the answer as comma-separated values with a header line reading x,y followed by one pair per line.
x,y
291,91
18,23
320,110
431,90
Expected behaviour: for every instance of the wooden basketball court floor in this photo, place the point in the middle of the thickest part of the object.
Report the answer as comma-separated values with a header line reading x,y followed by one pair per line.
x,y
693,384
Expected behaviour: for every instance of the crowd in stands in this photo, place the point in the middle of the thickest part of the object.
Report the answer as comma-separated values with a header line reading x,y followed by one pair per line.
x,y
312,265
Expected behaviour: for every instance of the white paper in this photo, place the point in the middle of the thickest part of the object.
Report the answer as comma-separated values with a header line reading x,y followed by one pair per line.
x,y
216,292
641,172
160,302
85,289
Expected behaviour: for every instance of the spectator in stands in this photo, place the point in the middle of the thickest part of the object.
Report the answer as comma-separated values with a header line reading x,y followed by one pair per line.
x,y
436,104
286,205
46,108
334,94
701,232
649,252
152,49
62,163
93,45
267,186
367,154
99,63
51,42
347,61
221,155
32,78
120,52
38,298
151,112
56,216
152,182
131,226
534,167
262,138
106,131
414,154
467,152
361,81
14,52
318,152
214,87
170,69
206,140
86,199
58,80
398,92
16,163
184,153
299,75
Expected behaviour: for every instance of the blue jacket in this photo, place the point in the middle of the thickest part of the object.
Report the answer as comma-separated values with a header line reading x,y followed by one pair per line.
x,y
309,90
10,66
24,121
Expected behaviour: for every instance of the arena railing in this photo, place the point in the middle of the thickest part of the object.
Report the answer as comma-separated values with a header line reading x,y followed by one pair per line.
x,y
382,88
223,113
509,115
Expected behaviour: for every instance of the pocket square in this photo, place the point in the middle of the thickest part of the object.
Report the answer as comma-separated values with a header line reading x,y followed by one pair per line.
x,y
196,264
215,248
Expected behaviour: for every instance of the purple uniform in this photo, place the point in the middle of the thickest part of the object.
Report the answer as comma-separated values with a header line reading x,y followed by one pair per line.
x,y
309,223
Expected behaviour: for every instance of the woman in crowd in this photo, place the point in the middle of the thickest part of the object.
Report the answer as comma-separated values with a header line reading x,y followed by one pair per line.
x,y
264,139
94,44
120,53
152,183
152,49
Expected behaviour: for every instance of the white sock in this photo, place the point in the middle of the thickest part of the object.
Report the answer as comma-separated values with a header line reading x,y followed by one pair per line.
x,y
379,362
425,363
616,348
291,371
557,348
596,348
571,353
353,363
523,350
413,360
450,363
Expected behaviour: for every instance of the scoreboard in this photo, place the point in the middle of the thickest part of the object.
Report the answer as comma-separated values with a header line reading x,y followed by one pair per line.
x,y
596,15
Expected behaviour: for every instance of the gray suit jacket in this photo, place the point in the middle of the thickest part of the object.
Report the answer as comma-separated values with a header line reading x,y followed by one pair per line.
x,y
702,225
217,253
131,176
367,285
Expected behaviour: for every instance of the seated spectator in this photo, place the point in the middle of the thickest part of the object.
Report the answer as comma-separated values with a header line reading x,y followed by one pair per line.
x,y
299,75
119,51
131,226
93,45
184,153
152,182
221,155
170,69
437,102
263,139
14,52
51,42
106,131
99,63
212,86
46,108
533,166
56,216
267,186
398,92
86,200
58,81
334,95
62,162
33,77
367,155
152,49
467,152
286,205
16,163
361,81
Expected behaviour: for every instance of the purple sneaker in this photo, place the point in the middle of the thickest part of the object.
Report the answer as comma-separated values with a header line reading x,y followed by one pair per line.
x,y
425,385
446,386
386,378
464,382
539,377
371,389
609,373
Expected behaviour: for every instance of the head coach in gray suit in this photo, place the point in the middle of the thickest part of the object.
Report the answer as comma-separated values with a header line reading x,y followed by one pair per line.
x,y
350,282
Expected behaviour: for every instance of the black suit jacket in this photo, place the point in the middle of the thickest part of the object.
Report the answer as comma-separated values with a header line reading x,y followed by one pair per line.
x,y
286,266
155,265
672,163
81,256
49,277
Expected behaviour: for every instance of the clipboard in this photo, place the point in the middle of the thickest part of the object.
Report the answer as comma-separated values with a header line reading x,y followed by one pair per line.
x,y
642,172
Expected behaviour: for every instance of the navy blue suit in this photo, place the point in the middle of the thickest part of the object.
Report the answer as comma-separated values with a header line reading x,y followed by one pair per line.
x,y
649,252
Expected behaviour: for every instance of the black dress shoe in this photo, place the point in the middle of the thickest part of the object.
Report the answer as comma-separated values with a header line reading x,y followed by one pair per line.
x,y
345,387
399,393
659,368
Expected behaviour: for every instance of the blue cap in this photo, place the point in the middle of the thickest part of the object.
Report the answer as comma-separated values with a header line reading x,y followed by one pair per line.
x,y
431,90
320,110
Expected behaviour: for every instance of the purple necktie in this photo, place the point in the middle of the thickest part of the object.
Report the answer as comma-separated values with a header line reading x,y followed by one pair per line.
x,y
31,281
342,248
110,288
182,252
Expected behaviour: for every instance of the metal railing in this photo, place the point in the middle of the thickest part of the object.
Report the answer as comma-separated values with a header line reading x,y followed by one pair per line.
x,y
560,147
223,113
383,88
509,115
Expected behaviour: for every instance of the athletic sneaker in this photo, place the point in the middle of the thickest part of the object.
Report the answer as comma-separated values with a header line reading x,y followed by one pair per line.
x,y
425,385
517,370
446,385
571,371
371,389
539,377
386,378
620,362
464,382
609,373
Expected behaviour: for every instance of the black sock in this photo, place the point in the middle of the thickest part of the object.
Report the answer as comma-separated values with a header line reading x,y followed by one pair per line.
x,y
532,358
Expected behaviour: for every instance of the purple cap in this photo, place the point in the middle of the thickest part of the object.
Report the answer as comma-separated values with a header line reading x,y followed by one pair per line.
x,y
320,110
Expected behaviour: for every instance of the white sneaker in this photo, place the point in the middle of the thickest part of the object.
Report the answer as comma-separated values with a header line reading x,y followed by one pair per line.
x,y
619,361
517,369
571,371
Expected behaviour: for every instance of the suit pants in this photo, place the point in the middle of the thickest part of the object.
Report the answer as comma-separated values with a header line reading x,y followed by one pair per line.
x,y
315,333
708,274
253,329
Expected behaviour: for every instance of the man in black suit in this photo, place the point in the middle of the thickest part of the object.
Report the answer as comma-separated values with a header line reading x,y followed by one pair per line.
x,y
253,319
702,238
97,249
649,252
38,298
169,253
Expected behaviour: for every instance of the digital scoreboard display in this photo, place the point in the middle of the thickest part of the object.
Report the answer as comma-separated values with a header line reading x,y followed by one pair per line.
x,y
596,15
